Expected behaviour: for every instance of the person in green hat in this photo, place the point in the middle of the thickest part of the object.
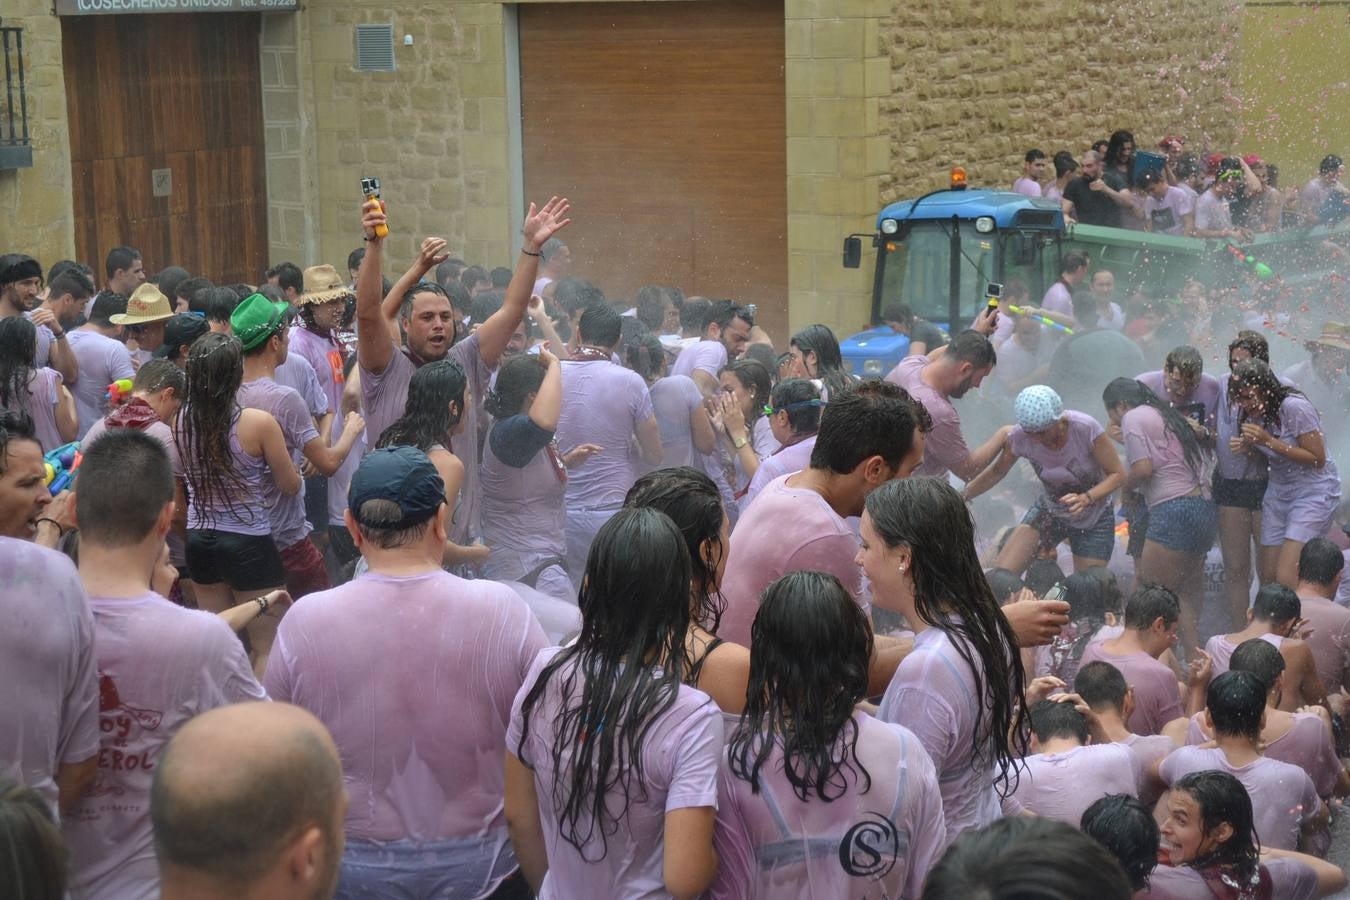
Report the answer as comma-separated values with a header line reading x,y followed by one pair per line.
x,y
262,327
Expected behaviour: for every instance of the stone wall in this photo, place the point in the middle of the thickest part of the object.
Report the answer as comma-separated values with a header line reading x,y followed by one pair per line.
x,y
36,212
978,83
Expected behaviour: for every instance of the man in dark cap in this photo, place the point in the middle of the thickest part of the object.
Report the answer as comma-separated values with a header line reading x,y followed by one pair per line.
x,y
438,660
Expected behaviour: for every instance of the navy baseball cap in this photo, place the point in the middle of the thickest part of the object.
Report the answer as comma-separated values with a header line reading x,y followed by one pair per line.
x,y
403,476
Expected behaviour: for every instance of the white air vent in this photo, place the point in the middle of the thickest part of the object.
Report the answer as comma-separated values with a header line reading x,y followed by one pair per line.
x,y
375,48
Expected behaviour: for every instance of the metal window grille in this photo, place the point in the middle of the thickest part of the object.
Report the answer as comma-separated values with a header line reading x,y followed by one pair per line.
x,y
375,48
15,150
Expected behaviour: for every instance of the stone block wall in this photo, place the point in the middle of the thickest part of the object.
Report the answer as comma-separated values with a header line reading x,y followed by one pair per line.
x,y
36,211
978,83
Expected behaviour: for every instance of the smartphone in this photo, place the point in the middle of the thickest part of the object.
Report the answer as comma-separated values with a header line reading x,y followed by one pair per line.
x,y
370,189
1057,592
752,309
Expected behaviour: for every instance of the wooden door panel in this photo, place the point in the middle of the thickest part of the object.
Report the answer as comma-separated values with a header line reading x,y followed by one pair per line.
x,y
180,92
664,123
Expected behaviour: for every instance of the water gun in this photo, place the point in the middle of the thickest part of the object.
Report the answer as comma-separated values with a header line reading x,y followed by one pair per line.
x,y
1259,269
61,465
1044,320
119,391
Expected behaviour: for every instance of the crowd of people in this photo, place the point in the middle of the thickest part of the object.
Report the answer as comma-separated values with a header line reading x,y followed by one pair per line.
x,y
1175,191
551,594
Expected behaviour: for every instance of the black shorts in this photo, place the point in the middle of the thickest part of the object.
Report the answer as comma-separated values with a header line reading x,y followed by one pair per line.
x,y
246,562
316,502
1244,493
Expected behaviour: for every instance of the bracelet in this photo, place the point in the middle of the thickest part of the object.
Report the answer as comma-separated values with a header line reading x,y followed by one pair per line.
x,y
60,529
58,336
739,442
370,239
528,253
262,604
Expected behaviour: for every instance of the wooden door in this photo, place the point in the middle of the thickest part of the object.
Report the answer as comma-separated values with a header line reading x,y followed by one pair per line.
x,y
665,125
179,92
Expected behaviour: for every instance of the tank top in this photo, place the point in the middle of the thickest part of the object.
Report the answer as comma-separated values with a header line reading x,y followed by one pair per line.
x,y
244,512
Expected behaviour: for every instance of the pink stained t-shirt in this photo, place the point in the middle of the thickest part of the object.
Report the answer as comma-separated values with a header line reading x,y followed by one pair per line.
x,y
1063,785
326,357
1220,650
681,753
933,694
881,841
602,404
1072,469
414,677
786,529
48,688
101,361
789,459
1157,696
1307,745
1058,299
1147,437
945,446
385,396
1283,796
1027,187
285,405
39,401
704,356
158,666
1203,403
1330,639
1149,750
674,400
1290,879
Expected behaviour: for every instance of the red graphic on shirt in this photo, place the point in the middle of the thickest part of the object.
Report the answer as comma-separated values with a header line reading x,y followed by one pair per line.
x,y
335,363
119,724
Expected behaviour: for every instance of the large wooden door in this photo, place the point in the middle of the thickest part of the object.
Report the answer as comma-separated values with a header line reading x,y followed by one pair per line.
x,y
665,125
178,92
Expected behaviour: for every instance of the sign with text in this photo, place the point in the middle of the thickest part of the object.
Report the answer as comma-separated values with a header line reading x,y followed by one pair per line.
x,y
128,7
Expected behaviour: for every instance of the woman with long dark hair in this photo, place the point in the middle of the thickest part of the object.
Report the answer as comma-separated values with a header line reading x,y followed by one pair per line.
x,y
745,435
960,689
228,454
1210,849
611,762
1165,462
1239,483
793,412
525,477
812,783
686,430
432,416
691,500
35,390
1304,489
1079,470
815,355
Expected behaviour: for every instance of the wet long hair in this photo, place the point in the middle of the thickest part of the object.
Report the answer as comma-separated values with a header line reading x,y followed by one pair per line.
x,y
1222,798
691,500
645,355
952,594
1132,393
518,377
1257,375
1254,342
621,674
215,369
18,352
1121,824
752,374
810,646
427,418
820,340
1087,598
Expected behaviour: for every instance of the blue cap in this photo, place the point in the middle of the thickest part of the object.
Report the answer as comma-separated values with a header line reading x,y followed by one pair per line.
x,y
403,476
1037,408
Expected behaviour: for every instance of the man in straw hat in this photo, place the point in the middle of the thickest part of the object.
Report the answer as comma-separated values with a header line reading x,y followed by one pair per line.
x,y
261,327
1325,378
314,337
148,310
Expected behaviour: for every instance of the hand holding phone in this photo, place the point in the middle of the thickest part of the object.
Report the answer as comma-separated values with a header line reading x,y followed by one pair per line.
x,y
370,188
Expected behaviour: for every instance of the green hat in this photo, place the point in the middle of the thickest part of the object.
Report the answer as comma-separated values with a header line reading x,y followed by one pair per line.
x,y
256,319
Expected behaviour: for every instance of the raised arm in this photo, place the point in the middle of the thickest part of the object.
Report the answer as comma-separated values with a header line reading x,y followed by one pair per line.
x,y
540,225
374,347
547,405
538,313
430,255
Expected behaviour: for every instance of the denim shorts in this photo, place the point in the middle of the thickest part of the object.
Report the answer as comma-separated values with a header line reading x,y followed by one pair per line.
x,y
1094,542
1184,525
1244,493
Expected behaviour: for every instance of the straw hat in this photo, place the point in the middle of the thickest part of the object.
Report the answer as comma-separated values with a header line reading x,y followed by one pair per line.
x,y
1334,334
322,284
145,305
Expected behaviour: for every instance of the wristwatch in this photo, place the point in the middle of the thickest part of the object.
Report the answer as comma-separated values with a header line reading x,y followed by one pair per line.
x,y
739,442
